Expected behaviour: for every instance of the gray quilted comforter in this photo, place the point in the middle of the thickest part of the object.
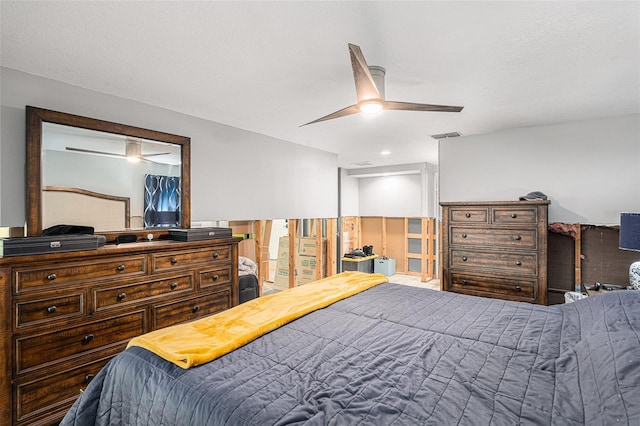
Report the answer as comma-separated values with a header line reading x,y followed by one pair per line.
x,y
397,355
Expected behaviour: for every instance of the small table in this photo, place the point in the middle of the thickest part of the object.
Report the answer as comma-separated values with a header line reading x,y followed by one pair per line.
x,y
362,264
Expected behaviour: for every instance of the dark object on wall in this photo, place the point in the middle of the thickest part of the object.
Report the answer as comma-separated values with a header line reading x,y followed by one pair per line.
x,y
199,234
161,201
535,195
49,244
247,287
68,229
126,238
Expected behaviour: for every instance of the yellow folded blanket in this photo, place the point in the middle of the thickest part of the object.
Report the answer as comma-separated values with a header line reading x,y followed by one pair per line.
x,y
206,339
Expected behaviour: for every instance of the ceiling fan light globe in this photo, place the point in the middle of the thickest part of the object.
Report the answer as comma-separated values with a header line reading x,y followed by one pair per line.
x,y
371,107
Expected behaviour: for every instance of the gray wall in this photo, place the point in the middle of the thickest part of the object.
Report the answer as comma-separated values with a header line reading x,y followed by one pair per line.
x,y
235,174
590,169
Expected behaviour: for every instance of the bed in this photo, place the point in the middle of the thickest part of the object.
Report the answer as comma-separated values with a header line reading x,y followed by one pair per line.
x,y
396,355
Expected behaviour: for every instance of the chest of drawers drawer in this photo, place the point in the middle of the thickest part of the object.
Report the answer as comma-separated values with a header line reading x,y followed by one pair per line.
x,y
192,308
469,215
44,310
515,263
122,294
494,237
39,350
177,260
55,392
487,285
31,279
216,276
513,215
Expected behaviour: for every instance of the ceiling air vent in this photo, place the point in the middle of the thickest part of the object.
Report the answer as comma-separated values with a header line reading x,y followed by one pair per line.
x,y
446,135
363,163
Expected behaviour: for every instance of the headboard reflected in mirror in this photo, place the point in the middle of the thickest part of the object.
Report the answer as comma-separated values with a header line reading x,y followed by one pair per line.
x,y
114,177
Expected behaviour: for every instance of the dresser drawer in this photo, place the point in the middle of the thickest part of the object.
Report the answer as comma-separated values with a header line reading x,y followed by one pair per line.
x,y
109,297
54,394
514,215
191,309
48,309
494,285
507,238
469,214
184,259
215,276
39,350
508,262
29,279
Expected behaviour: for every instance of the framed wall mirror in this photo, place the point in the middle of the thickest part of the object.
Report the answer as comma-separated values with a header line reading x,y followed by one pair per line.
x,y
113,177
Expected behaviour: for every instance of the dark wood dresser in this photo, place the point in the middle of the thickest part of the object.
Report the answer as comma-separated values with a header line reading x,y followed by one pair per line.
x,y
495,249
65,315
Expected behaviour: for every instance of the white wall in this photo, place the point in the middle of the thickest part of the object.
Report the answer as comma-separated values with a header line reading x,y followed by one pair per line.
x,y
391,196
348,194
590,169
235,174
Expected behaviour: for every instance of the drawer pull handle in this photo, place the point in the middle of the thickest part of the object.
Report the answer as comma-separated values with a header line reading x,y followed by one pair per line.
x,y
513,215
518,263
518,288
216,255
464,258
89,377
465,282
52,309
174,261
88,338
121,296
174,286
195,309
464,235
52,277
121,268
467,215
518,238
215,277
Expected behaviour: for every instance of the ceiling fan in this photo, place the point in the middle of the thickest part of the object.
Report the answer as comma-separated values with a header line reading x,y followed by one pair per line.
x,y
133,151
370,92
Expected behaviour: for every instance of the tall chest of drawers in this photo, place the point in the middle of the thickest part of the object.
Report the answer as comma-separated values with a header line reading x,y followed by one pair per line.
x,y
65,315
495,249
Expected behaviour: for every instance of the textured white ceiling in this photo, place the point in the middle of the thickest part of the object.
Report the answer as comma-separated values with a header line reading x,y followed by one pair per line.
x,y
269,67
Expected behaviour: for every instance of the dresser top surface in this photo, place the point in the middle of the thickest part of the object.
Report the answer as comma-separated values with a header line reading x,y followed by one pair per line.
x,y
119,249
494,203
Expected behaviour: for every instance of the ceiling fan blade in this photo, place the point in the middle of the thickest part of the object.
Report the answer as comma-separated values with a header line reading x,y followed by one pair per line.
x,y
410,106
353,109
153,155
90,151
365,86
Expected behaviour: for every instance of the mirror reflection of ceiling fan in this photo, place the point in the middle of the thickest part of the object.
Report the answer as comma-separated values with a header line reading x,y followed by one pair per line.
x,y
370,92
133,151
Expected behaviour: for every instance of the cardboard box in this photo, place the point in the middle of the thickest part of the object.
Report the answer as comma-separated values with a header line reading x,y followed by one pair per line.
x,y
307,266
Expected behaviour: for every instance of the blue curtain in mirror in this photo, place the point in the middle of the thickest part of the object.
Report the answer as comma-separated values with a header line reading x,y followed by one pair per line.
x,y
161,201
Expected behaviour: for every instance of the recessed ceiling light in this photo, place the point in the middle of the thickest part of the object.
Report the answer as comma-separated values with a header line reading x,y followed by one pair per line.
x,y
385,152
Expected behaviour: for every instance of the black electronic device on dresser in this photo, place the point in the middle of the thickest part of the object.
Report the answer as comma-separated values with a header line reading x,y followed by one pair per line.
x,y
495,249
